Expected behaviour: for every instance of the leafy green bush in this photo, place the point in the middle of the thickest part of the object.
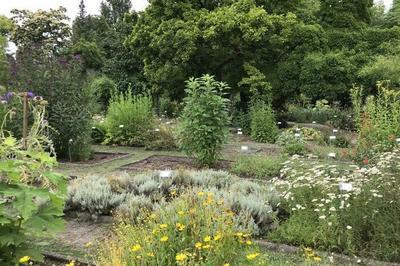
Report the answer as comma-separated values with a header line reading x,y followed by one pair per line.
x,y
288,138
195,229
162,138
307,134
205,119
257,166
342,209
378,121
263,124
301,114
295,148
168,108
99,133
31,194
129,120
104,88
242,120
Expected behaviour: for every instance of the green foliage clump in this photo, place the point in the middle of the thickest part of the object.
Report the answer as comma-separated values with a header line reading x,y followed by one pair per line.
x,y
263,125
104,89
162,138
292,144
168,107
307,134
261,167
129,120
242,120
378,121
205,119
31,194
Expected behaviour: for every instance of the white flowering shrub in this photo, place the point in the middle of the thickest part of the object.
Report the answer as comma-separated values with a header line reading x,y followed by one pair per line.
x,y
343,208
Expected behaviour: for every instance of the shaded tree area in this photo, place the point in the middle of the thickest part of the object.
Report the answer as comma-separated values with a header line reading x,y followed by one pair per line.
x,y
274,50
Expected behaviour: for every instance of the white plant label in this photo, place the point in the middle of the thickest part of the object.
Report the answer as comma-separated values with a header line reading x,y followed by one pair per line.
x,y
165,173
332,155
244,148
332,137
345,186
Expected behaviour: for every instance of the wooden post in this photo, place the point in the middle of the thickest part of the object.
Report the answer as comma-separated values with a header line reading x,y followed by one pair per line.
x,y
25,122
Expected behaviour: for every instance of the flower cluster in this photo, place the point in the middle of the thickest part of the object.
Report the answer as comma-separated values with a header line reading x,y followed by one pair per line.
x,y
194,229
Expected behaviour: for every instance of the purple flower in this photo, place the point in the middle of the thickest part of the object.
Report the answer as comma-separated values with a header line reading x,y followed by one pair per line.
x,y
9,95
30,94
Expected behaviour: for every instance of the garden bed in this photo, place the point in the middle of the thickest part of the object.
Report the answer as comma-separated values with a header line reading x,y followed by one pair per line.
x,y
162,162
98,158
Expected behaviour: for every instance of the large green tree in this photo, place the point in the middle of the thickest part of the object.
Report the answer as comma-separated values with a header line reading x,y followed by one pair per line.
x,y
179,39
41,29
346,13
101,39
393,16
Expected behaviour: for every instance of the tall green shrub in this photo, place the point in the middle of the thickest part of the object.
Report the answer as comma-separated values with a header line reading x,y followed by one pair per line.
x,y
263,124
378,120
70,108
62,81
129,120
205,119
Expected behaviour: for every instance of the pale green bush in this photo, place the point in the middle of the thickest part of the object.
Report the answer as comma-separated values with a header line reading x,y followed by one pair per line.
x,y
129,120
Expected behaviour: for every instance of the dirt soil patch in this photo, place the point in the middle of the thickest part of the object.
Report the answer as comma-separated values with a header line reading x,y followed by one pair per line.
x,y
163,162
98,157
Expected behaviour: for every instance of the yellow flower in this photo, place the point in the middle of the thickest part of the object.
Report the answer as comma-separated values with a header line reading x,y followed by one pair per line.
x,y
136,247
200,193
317,259
164,239
181,212
239,234
217,237
226,264
72,263
150,254
88,244
207,239
248,242
24,259
173,193
180,226
180,257
252,256
206,246
198,245
163,226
